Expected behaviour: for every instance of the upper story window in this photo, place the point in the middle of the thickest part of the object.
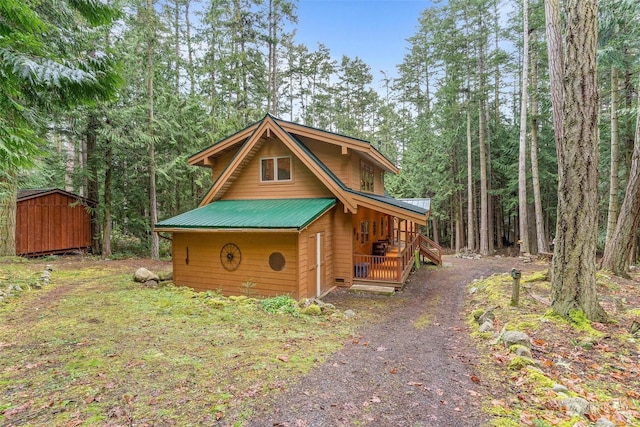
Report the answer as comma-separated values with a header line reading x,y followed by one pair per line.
x,y
366,176
275,169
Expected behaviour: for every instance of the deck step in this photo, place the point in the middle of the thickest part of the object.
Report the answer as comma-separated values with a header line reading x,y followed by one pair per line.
x,y
373,289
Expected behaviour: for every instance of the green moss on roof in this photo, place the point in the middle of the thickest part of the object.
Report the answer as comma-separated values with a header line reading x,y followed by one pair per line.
x,y
257,214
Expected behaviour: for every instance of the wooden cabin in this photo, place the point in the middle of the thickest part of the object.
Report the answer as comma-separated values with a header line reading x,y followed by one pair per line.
x,y
296,210
50,221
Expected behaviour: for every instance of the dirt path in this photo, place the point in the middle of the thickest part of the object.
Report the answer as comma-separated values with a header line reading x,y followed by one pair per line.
x,y
413,368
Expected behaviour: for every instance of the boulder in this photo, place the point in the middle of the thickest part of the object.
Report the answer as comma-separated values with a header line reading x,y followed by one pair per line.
x,y
516,338
575,406
523,351
165,276
487,316
559,388
349,314
486,327
143,275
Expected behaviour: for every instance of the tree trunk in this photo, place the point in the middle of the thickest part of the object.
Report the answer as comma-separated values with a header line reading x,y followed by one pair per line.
x,y
8,207
522,158
434,224
556,64
176,29
535,173
471,234
91,142
272,98
108,221
70,163
612,213
190,67
617,252
459,223
573,283
153,212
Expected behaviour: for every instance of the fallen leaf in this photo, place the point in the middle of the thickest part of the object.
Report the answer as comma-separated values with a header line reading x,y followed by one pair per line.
x,y
9,413
283,358
413,383
475,379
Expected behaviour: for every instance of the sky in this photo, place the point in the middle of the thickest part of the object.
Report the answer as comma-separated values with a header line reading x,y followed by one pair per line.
x,y
373,30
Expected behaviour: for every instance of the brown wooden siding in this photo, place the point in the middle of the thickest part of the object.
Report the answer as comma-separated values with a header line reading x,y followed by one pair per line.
x,y
331,156
343,238
49,224
304,183
322,225
375,231
205,272
220,164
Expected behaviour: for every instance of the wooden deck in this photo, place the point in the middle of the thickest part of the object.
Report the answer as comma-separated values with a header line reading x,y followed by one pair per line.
x,y
393,268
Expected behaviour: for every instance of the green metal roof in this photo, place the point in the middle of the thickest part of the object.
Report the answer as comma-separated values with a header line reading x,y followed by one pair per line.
x,y
258,214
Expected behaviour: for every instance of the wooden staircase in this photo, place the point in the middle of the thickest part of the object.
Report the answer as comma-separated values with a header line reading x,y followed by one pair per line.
x,y
430,249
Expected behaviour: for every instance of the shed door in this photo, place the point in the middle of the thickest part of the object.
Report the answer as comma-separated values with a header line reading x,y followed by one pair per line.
x,y
316,264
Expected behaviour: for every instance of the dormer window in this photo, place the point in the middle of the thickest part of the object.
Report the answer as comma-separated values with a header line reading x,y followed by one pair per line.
x,y
366,177
275,169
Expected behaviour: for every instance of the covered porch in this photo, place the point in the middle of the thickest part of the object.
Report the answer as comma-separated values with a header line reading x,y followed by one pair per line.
x,y
393,268
386,247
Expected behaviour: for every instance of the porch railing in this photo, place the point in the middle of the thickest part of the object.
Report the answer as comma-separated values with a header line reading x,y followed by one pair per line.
x,y
392,268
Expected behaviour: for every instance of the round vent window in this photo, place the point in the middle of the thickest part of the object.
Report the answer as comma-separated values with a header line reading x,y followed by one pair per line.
x,y
276,261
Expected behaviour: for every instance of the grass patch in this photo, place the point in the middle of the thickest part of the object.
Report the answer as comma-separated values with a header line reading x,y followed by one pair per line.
x,y
94,346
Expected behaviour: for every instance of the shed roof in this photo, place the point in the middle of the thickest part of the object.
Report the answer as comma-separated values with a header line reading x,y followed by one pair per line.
x,y
293,214
31,193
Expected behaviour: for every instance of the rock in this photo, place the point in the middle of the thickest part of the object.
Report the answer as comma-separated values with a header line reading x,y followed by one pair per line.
x,y
349,314
519,362
575,406
14,287
165,276
516,338
604,422
487,316
312,310
473,290
325,308
559,388
523,351
151,283
143,275
486,327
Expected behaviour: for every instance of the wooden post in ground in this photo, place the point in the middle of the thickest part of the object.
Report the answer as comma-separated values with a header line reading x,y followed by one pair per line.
x,y
515,287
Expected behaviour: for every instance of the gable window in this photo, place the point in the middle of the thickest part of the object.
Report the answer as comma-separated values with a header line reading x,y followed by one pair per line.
x,y
366,176
275,169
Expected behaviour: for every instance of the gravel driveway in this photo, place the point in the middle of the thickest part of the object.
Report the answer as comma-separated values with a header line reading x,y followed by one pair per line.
x,y
415,367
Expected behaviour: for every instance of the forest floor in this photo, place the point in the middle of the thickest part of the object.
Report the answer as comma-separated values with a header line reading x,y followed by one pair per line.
x,y
94,348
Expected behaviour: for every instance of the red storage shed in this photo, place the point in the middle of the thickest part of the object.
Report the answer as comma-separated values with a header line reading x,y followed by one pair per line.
x,y
52,221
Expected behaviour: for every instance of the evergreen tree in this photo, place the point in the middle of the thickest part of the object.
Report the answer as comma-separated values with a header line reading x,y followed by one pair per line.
x,y
45,67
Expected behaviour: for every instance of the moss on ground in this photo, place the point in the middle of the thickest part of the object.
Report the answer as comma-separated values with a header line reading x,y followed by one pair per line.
x,y
93,345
